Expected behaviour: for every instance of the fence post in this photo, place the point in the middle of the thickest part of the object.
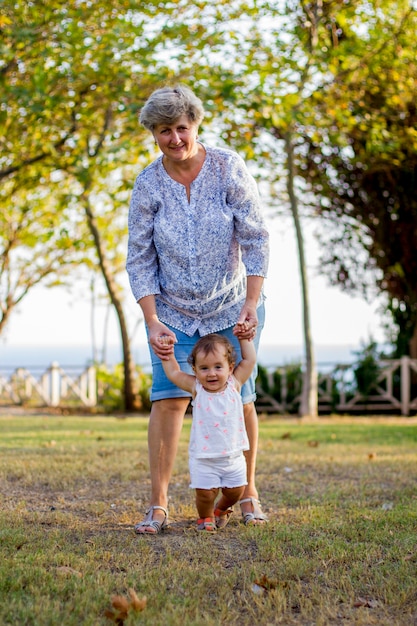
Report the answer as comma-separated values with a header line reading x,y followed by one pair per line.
x,y
284,389
92,387
405,385
55,386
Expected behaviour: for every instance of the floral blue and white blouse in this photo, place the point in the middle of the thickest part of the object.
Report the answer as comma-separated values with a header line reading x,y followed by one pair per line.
x,y
194,256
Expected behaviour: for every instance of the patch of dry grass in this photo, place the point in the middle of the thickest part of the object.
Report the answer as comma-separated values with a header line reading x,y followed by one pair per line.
x,y
340,547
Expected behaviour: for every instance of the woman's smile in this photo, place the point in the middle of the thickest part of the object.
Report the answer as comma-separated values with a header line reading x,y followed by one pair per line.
x,y
178,140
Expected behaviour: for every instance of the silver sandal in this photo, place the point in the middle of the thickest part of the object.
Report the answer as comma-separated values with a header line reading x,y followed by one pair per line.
x,y
149,523
250,518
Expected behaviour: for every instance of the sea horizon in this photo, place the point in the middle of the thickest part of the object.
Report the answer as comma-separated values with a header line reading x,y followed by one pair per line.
x,y
38,357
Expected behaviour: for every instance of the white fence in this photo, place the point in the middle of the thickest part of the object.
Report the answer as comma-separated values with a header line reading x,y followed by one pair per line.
x,y
392,393
53,388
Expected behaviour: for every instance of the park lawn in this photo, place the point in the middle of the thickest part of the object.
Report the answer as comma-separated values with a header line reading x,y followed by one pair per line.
x,y
340,547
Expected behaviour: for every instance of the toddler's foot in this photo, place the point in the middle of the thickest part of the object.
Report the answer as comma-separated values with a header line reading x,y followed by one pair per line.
x,y
207,523
222,517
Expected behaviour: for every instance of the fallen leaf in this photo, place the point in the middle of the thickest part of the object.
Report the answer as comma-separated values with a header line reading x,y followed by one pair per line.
x,y
136,603
120,603
286,436
268,583
110,614
372,456
313,444
115,616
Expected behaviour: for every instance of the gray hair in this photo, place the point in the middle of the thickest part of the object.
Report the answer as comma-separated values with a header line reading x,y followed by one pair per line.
x,y
166,105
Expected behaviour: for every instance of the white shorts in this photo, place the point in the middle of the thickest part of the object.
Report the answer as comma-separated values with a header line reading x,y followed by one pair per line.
x,y
219,472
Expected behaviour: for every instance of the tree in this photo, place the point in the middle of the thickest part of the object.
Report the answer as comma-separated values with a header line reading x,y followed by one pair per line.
x,y
363,162
66,78
73,78
274,74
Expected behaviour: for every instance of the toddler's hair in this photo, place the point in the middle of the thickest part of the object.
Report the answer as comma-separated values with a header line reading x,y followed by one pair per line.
x,y
208,344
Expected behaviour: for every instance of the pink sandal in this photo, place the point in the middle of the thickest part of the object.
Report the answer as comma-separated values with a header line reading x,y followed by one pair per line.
x,y
207,523
222,517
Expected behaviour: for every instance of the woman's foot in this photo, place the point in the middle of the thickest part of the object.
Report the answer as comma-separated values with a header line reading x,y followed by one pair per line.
x,y
251,511
154,522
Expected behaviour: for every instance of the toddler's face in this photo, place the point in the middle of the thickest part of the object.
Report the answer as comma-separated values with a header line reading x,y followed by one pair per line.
x,y
213,369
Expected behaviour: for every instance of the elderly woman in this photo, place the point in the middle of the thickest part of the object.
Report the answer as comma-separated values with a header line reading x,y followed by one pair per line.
x,y
197,258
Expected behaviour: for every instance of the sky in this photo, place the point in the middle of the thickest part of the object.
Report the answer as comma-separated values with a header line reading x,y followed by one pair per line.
x,y
56,317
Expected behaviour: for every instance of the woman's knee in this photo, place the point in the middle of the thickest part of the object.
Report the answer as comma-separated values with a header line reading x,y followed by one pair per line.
x,y
170,408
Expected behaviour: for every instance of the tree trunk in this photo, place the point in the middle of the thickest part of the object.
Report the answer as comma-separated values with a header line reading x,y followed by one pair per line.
x,y
131,398
413,343
309,395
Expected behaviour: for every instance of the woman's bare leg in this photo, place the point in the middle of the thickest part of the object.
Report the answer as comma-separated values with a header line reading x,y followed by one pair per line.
x,y
165,423
251,423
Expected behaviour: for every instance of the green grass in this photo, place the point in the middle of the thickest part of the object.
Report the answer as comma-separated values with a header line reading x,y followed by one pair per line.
x,y
340,548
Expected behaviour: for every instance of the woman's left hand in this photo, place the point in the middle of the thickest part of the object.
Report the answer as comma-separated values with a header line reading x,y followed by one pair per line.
x,y
247,323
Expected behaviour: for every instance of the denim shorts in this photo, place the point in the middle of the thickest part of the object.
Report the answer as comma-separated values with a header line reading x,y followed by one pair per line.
x,y
163,388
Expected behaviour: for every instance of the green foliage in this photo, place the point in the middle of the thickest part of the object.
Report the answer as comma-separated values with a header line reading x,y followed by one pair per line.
x,y
363,161
367,369
336,82
283,384
404,318
110,383
73,79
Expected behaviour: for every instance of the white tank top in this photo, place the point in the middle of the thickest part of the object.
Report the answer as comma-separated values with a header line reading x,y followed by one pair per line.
x,y
218,427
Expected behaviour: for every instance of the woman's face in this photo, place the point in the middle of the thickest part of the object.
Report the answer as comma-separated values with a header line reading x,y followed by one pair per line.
x,y
177,141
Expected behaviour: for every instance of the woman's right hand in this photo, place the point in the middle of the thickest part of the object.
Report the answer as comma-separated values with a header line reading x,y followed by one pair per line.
x,y
161,340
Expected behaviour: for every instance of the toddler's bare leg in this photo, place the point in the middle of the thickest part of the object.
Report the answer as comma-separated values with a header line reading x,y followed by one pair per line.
x,y
204,499
229,497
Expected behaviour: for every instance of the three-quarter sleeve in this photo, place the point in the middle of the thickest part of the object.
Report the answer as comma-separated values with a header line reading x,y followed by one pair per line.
x,y
250,229
142,260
